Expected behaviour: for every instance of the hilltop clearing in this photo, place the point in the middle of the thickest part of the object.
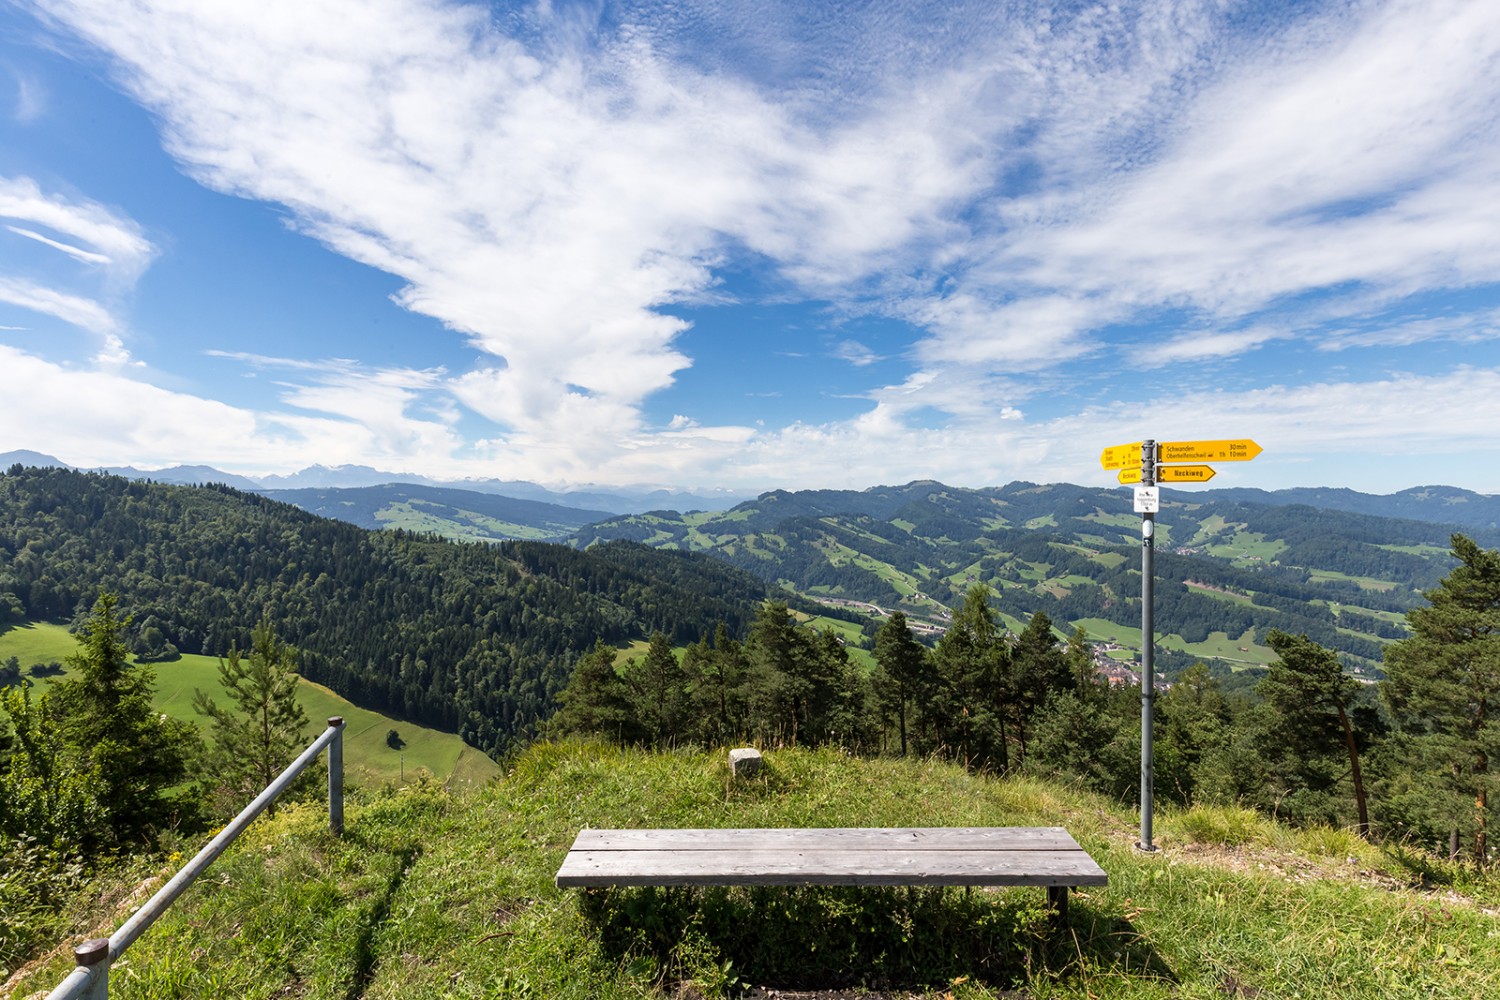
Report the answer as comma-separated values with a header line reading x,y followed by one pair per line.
x,y
433,893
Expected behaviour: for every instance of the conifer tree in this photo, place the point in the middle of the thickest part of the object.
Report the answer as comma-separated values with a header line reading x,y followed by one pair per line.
x,y
1443,683
659,683
974,693
903,674
597,700
265,730
105,718
1312,697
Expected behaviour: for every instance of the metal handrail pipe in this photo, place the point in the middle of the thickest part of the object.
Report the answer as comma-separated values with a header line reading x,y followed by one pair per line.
x,y
157,904
81,981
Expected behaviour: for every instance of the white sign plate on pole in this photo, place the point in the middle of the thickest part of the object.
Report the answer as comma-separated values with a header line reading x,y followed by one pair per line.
x,y
1147,499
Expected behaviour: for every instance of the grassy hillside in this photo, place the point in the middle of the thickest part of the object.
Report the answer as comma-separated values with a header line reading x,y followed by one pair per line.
x,y
439,894
1228,569
463,515
442,756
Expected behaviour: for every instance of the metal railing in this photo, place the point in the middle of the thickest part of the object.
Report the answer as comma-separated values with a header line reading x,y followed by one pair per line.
x,y
90,979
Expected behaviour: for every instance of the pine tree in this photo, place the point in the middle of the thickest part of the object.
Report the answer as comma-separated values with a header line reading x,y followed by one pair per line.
x,y
264,731
597,700
1312,698
1443,682
1039,670
108,725
975,691
903,670
659,683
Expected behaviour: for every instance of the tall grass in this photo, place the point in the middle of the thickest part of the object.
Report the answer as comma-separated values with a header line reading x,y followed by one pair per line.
x,y
434,893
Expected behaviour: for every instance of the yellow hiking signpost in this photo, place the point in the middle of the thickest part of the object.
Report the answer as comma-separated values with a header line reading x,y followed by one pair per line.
x,y
1146,463
1242,450
1183,474
1121,455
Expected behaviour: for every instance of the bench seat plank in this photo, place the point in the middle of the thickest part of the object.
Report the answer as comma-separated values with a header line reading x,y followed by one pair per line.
x,y
1019,856
837,867
987,838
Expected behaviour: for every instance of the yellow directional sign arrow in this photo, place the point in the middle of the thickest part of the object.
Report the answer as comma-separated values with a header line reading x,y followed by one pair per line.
x,y
1242,450
1183,473
1130,475
1121,456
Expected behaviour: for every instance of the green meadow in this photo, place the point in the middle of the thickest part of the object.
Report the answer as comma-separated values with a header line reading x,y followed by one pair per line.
x,y
437,893
438,755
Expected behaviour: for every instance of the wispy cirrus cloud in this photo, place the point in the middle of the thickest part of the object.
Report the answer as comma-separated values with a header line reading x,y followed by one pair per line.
x,y
1030,187
113,256
110,240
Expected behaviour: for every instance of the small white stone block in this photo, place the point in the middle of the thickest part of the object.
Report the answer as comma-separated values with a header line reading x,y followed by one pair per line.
x,y
744,762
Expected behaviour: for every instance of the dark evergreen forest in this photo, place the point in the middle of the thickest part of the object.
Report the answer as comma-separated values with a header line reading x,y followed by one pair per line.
x,y
473,638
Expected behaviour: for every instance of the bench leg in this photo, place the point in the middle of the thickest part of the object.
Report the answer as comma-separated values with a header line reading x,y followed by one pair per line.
x,y
1057,898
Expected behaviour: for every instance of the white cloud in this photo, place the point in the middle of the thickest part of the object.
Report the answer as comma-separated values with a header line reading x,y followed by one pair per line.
x,y
77,253
1468,328
31,98
82,312
1203,345
1030,187
857,354
115,241
114,254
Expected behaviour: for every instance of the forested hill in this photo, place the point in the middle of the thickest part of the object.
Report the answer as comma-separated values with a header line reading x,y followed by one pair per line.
x,y
467,515
475,638
1224,565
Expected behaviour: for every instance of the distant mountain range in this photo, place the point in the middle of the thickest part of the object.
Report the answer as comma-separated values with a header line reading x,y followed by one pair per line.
x,y
612,500
1339,565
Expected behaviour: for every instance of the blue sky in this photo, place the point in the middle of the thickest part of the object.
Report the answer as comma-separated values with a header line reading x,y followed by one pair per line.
x,y
753,244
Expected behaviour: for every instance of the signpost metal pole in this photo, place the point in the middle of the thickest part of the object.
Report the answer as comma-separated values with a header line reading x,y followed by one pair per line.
x,y
1161,462
1148,641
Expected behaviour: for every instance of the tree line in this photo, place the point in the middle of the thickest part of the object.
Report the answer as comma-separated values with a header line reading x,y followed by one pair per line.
x,y
1409,758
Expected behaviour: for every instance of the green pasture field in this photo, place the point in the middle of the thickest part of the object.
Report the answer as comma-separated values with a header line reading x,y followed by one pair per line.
x,y
1221,646
443,756
411,517
633,650
1104,630
438,894
1217,646
1130,521
1365,582
1418,550
1219,595
1245,546
1209,527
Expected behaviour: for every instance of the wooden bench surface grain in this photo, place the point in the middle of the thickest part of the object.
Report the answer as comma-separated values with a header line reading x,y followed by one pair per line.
x,y
957,856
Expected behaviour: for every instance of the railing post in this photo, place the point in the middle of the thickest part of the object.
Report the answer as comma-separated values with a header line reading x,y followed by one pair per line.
x,y
336,777
93,955
89,979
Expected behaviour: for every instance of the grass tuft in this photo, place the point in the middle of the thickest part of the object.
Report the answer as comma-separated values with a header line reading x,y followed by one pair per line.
x,y
438,893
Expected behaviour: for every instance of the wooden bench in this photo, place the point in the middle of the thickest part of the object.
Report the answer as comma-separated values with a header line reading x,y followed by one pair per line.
x,y
960,856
